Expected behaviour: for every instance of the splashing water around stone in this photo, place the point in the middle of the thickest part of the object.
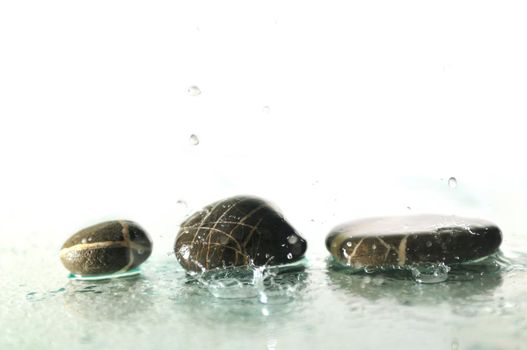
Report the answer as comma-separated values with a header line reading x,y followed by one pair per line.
x,y
264,284
430,273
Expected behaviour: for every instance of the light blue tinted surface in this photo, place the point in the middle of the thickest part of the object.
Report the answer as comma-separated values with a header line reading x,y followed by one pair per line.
x,y
482,306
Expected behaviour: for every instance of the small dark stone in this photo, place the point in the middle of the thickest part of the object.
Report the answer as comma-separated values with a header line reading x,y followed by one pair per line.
x,y
108,247
407,240
235,232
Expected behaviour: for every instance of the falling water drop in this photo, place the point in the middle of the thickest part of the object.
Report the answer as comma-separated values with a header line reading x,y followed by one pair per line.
x,y
452,182
290,256
194,140
182,204
194,91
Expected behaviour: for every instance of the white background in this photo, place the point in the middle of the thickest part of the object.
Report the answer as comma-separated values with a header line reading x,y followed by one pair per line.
x,y
372,106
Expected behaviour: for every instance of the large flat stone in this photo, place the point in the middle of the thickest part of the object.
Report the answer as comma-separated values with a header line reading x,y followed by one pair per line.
x,y
407,240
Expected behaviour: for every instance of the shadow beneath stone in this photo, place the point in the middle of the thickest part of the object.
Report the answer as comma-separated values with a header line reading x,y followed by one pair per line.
x,y
465,283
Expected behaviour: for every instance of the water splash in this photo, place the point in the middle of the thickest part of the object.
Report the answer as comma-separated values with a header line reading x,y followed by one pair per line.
x,y
492,265
262,284
452,182
430,273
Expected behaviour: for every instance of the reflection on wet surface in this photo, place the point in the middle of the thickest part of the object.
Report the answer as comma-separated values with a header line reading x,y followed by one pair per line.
x,y
305,305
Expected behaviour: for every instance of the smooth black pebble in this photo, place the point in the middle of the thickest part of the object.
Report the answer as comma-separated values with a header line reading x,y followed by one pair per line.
x,y
407,240
234,232
105,248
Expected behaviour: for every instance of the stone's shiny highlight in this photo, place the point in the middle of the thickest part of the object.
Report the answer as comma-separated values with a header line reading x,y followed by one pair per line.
x,y
407,240
234,232
106,248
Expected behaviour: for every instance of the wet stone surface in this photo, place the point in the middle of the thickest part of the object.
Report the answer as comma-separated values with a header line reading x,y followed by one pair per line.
x,y
237,231
106,248
408,240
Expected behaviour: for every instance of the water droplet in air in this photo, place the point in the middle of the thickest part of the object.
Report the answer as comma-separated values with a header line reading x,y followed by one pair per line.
x,y
141,251
194,91
266,109
349,244
373,247
292,239
428,244
84,241
194,140
452,182
181,204
289,256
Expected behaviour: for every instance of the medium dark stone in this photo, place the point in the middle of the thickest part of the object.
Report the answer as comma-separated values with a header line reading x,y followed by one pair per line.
x,y
235,232
407,240
108,247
